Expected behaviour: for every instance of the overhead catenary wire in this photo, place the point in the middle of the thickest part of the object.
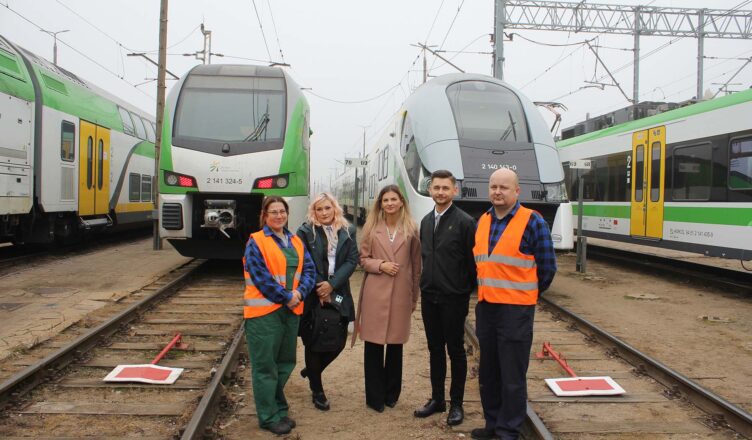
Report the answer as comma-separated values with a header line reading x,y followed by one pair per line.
x,y
451,25
276,35
261,27
106,69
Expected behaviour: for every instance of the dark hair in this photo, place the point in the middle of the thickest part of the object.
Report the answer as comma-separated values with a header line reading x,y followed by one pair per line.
x,y
268,201
443,174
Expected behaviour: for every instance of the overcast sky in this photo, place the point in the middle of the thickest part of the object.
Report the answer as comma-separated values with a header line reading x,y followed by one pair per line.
x,y
349,50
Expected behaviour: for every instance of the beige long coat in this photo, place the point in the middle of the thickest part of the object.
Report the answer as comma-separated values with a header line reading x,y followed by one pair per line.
x,y
387,302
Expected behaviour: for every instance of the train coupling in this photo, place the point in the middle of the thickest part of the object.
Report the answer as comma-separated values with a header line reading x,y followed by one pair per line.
x,y
219,214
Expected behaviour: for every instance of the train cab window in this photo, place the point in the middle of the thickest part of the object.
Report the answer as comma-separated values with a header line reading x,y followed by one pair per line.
x,y
639,167
145,188
89,162
407,136
655,172
485,111
125,116
134,187
67,141
139,125
740,164
149,131
692,172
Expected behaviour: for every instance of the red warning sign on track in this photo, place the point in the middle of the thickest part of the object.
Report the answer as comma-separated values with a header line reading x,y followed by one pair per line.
x,y
585,386
146,373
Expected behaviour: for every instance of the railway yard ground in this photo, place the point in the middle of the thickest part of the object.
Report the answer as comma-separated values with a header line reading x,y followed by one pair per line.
x,y
697,330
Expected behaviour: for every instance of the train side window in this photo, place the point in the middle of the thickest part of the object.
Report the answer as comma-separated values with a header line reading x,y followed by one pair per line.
x,y
385,163
149,131
692,172
378,164
145,188
67,141
100,164
89,162
139,124
639,168
134,187
655,172
740,164
125,116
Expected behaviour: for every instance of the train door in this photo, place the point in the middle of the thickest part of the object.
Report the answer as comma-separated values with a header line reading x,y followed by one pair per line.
x,y
648,159
94,170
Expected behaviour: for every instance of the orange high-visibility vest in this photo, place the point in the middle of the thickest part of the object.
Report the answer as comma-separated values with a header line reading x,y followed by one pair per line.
x,y
255,303
506,276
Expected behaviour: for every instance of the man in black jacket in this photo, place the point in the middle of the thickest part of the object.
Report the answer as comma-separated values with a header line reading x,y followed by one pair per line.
x,y
447,237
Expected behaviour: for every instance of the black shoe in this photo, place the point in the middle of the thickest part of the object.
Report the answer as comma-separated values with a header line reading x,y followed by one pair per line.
x,y
303,373
377,408
431,407
391,403
290,421
456,415
320,401
483,434
279,428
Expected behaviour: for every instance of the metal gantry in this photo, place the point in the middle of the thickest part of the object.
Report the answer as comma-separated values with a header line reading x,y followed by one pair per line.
x,y
633,20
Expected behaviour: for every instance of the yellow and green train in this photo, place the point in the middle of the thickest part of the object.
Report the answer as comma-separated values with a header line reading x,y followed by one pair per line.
x,y
73,158
680,180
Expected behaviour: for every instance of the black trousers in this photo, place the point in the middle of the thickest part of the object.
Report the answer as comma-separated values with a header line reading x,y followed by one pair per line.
x,y
505,334
444,325
315,363
383,374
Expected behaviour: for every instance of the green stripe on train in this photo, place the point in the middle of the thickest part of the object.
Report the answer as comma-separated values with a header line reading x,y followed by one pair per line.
x,y
662,118
602,210
679,214
716,216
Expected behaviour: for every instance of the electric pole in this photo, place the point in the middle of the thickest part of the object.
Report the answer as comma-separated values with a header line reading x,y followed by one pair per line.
x,y
160,115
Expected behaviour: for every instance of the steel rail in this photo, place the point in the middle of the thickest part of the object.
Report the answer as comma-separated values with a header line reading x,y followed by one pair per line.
x,y
735,417
206,411
722,277
35,374
533,427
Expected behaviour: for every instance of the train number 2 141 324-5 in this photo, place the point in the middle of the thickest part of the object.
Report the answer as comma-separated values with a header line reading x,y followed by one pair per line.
x,y
225,180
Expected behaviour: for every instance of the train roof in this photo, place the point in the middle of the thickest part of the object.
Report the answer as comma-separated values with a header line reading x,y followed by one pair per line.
x,y
662,118
64,90
237,70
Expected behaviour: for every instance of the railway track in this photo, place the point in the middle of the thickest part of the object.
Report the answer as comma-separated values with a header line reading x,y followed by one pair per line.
x,y
62,395
726,279
659,402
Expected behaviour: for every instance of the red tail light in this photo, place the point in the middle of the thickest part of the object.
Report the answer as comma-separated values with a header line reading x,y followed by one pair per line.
x,y
265,183
185,181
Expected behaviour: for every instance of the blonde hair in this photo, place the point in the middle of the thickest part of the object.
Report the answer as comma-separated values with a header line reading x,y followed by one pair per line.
x,y
339,216
376,215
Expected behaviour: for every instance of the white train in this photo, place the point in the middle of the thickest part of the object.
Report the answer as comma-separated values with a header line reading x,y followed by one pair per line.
x,y
232,135
73,158
471,125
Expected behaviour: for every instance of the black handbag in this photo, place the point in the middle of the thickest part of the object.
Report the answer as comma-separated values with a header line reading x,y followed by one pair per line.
x,y
328,331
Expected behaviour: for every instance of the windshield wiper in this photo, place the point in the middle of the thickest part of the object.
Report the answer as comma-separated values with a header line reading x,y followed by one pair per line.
x,y
260,127
509,129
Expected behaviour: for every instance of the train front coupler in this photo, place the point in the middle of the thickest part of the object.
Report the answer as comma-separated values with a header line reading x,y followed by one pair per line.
x,y
219,214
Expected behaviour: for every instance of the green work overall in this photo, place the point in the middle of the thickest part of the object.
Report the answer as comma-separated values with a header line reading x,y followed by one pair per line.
x,y
272,340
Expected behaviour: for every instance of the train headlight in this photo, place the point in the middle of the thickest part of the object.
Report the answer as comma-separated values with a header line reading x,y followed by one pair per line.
x,y
171,179
555,192
281,182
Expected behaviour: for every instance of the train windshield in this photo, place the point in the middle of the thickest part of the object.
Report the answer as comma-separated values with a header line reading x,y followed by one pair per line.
x,y
485,111
233,109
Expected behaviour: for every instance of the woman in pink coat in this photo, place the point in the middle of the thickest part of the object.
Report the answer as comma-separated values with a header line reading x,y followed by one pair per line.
x,y
390,255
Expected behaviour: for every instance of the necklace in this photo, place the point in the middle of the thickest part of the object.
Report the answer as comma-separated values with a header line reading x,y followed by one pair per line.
x,y
390,233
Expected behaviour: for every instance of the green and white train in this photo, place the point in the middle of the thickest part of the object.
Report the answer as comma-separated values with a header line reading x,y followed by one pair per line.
x,y
73,158
232,135
678,180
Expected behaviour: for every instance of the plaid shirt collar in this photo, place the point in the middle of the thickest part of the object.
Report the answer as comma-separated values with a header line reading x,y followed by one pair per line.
x,y
510,214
